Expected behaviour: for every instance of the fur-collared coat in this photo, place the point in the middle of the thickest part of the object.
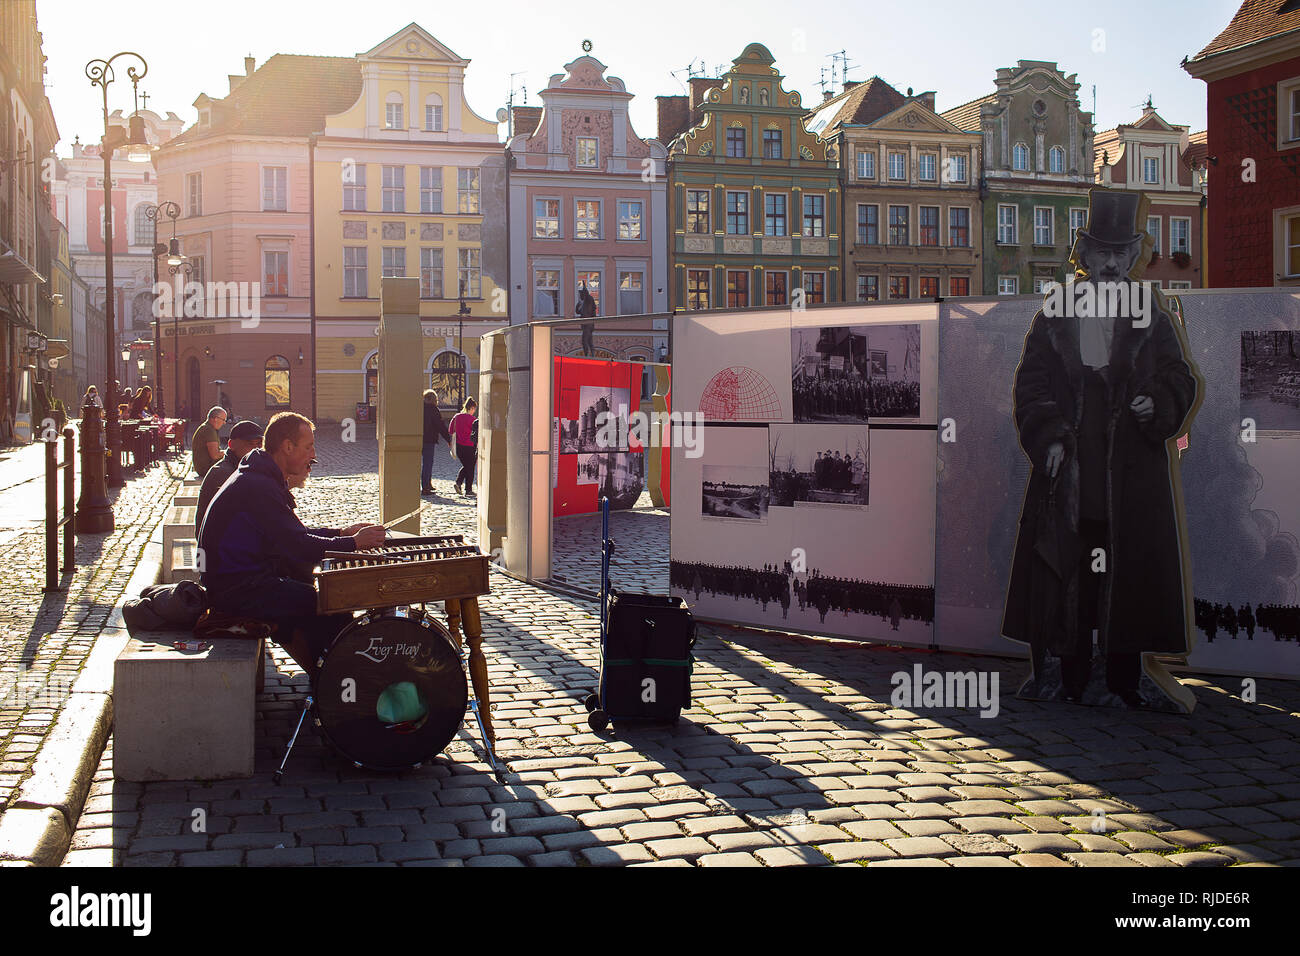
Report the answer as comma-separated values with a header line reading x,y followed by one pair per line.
x,y
1145,598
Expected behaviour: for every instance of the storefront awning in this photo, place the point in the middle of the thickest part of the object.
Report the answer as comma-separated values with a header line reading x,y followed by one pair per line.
x,y
15,269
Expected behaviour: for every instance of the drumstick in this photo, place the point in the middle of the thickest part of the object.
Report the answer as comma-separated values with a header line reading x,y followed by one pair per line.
x,y
409,514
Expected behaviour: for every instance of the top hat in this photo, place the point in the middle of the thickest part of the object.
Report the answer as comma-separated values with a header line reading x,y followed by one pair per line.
x,y
1112,216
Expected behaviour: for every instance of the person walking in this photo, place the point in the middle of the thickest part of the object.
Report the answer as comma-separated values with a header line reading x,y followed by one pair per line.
x,y
463,433
434,428
585,308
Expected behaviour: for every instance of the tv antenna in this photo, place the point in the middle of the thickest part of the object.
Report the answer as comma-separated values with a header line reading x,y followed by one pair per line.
x,y
510,103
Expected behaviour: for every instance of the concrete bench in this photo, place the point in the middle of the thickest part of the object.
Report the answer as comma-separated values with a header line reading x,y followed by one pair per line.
x,y
186,498
188,483
183,563
185,715
178,524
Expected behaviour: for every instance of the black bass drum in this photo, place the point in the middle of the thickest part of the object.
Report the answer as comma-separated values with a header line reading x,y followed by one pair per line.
x,y
390,691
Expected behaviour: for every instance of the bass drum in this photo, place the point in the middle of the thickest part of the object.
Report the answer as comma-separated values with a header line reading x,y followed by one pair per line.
x,y
390,691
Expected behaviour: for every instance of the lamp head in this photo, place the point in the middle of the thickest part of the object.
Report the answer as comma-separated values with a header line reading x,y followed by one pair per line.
x,y
138,149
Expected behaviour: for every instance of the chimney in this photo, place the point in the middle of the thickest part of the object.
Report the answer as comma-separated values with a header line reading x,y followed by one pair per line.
x,y
928,99
849,84
827,96
250,64
699,84
526,119
674,117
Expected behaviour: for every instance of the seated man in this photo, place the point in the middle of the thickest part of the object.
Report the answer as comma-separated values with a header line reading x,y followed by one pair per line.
x,y
206,442
244,437
250,536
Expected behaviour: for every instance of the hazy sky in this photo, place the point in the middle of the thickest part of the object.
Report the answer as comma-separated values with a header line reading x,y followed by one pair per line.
x,y
948,46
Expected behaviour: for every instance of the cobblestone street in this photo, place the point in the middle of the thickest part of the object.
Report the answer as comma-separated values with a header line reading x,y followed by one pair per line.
x,y
792,754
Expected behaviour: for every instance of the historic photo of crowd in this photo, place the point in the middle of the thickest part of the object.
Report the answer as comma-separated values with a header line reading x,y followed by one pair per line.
x,y
620,475
596,403
1270,380
856,372
734,491
819,464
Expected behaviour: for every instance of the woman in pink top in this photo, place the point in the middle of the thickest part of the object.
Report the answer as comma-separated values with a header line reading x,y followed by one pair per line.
x,y
462,430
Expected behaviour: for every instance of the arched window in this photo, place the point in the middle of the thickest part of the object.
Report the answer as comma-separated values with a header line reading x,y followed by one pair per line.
x,y
277,382
143,226
447,378
393,111
433,113
372,379
1020,157
1056,160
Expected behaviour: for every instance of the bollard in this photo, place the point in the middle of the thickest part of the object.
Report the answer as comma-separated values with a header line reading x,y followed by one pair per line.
x,y
53,519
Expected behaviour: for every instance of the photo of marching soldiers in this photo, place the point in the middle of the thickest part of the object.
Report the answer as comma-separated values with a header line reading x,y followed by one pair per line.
x,y
808,597
620,475
1270,380
1228,623
597,403
734,491
852,373
819,464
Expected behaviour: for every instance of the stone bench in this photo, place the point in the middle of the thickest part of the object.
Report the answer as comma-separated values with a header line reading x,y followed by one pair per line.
x,y
186,498
183,563
178,524
185,715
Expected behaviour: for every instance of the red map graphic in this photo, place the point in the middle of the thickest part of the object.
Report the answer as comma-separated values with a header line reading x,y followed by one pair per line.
x,y
739,394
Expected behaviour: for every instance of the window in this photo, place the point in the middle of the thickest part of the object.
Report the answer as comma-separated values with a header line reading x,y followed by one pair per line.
x,y
929,223
958,226
736,143
354,272
143,226
394,261
433,114
393,112
868,288
430,273
954,169
959,285
277,382
467,190
774,214
631,295
1007,225
1150,169
587,151
193,194
354,186
1295,113
197,274
1180,234
926,169
737,289
929,288
470,273
1044,226
737,214
546,292
866,165
394,186
275,187
776,287
592,282
899,233
430,189
697,211
1153,230
897,165
900,287
814,215
629,219
587,219
868,224
1040,284
447,377
772,144
697,289
1290,230
275,273
1078,219
814,287
1179,284
1056,160
1020,156
1008,285
546,218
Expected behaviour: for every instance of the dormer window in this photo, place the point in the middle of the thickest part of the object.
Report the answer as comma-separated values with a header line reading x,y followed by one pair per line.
x,y
1150,169
393,111
587,151
433,113
205,118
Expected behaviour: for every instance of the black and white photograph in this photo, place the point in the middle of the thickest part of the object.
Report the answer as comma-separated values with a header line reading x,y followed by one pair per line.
x,y
819,465
1270,380
620,475
853,373
568,430
734,491
596,403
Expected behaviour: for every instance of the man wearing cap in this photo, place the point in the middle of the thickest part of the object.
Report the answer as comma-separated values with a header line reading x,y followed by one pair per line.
x,y
244,437
1099,401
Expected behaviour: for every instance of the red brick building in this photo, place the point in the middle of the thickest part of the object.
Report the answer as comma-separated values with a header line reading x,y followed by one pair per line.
x,y
1252,72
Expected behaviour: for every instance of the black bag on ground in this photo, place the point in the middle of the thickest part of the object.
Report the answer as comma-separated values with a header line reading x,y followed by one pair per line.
x,y
166,607
646,660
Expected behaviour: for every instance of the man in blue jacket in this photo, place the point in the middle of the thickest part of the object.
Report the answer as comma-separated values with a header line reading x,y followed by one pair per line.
x,y
251,536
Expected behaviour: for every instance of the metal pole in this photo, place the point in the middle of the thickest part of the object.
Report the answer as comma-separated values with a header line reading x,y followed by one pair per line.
x,y
69,495
157,324
51,514
112,430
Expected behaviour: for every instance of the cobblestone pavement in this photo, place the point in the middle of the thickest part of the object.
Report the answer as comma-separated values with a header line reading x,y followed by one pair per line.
x,y
44,639
791,754
640,561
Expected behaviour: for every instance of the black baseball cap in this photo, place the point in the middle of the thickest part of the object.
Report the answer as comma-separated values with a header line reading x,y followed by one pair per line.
x,y
246,431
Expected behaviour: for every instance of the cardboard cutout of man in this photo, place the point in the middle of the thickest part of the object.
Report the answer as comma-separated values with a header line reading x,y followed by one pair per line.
x,y
1100,400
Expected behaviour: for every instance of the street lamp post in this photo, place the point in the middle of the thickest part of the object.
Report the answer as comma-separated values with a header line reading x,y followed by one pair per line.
x,y
172,212
178,263
94,512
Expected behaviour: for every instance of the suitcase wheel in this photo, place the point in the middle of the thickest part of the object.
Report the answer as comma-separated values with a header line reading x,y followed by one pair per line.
x,y
598,720
591,702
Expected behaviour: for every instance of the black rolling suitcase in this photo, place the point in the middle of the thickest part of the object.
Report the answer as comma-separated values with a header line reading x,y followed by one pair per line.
x,y
645,652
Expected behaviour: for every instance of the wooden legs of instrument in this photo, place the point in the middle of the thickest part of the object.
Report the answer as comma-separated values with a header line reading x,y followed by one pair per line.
x,y
467,610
